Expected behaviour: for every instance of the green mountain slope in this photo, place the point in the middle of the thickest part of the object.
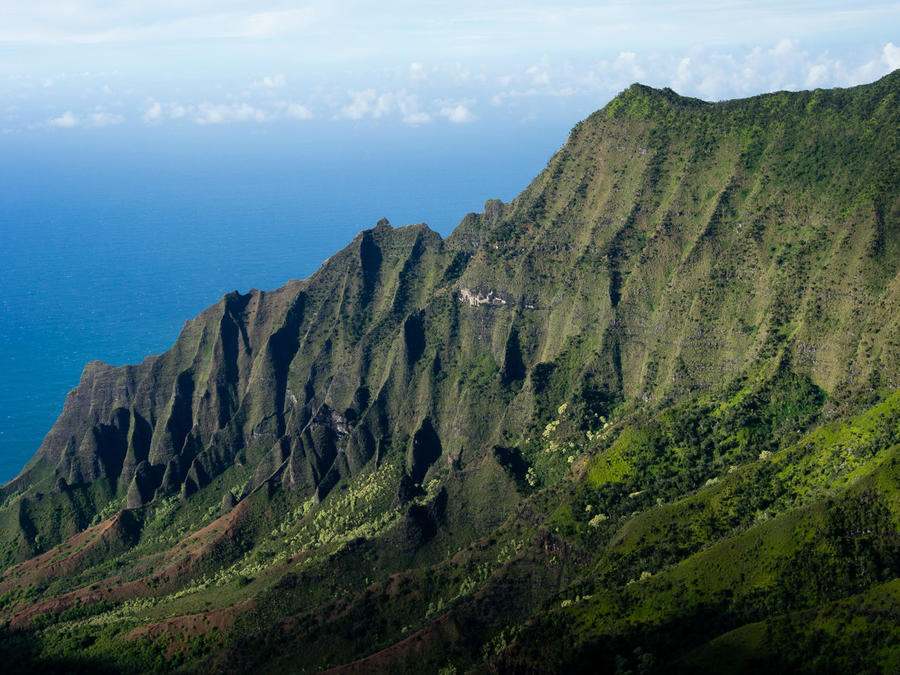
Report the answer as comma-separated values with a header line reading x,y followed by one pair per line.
x,y
638,418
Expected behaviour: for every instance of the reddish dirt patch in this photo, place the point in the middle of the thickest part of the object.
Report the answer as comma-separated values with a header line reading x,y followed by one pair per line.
x,y
62,559
180,629
84,596
182,558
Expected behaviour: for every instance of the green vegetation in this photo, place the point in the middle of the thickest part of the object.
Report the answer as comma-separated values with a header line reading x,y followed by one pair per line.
x,y
643,418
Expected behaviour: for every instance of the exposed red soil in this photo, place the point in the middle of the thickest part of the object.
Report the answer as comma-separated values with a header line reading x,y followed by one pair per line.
x,y
183,557
180,629
62,559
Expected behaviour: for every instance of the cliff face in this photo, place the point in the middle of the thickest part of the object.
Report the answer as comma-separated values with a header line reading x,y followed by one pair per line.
x,y
672,250
669,246
281,380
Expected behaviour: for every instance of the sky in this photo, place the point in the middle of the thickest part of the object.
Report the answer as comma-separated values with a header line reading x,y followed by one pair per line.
x,y
91,65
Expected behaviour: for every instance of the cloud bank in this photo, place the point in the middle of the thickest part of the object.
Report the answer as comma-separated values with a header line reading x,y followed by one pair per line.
x,y
97,118
423,92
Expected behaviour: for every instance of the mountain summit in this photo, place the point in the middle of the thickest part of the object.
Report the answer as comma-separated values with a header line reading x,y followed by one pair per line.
x,y
642,418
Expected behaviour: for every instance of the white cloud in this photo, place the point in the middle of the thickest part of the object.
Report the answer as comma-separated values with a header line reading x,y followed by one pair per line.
x,y
415,118
539,75
157,112
297,111
221,113
891,56
104,119
153,113
417,71
383,105
66,121
816,76
176,111
368,103
715,74
682,74
627,63
783,48
207,112
360,106
271,82
458,113
408,106
98,118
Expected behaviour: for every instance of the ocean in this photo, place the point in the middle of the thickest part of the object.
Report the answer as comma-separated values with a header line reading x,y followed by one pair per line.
x,y
111,238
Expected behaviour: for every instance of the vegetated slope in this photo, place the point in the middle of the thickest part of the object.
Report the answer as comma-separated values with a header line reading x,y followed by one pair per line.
x,y
640,416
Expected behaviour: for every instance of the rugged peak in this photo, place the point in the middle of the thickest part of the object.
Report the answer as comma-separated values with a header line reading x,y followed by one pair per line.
x,y
641,100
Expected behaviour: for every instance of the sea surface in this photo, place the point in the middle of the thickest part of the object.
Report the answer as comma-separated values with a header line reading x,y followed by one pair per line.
x,y
111,238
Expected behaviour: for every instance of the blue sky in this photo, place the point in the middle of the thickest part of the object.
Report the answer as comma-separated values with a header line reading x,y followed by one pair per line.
x,y
96,64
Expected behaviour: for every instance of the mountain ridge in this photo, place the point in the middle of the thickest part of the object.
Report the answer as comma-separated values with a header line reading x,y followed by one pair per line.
x,y
685,288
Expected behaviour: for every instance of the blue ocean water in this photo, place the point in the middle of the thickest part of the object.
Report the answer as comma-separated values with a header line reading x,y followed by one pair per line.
x,y
111,238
